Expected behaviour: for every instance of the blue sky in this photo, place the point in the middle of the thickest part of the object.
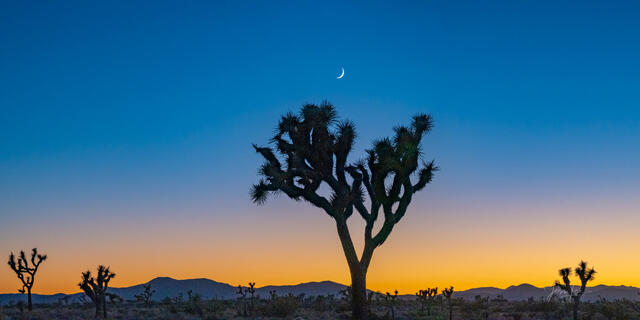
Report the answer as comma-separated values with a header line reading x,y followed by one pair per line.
x,y
132,106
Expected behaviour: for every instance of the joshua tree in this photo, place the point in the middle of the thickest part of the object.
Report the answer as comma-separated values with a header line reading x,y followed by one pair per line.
x,y
242,295
311,149
145,296
391,301
426,297
26,273
421,296
251,291
585,274
447,293
96,288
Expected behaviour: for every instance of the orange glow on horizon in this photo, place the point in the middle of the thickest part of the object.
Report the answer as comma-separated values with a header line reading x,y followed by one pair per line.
x,y
282,248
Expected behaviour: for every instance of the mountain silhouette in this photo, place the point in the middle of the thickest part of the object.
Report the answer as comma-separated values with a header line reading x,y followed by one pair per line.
x,y
166,287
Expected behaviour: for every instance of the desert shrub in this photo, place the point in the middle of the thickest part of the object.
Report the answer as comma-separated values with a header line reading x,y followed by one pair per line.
x,y
193,305
169,305
320,304
214,308
280,307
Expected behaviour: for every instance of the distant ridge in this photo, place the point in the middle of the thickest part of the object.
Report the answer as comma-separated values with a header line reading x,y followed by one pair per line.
x,y
209,289
167,287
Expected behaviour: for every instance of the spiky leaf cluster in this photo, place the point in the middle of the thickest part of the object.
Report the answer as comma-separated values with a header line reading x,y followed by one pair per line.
x,y
585,275
427,294
312,147
447,293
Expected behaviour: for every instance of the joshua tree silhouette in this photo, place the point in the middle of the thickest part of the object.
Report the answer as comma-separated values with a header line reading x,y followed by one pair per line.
x,y
391,301
251,290
26,273
585,274
242,295
314,147
96,288
447,293
145,296
426,298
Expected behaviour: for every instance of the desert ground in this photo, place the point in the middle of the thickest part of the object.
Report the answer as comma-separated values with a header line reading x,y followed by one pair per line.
x,y
292,307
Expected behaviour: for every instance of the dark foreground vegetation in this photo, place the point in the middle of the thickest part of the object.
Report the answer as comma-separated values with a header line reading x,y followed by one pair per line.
x,y
330,307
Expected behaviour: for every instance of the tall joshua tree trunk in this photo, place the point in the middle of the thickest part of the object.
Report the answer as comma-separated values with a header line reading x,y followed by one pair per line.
x,y
99,308
312,148
104,306
29,301
358,272
359,304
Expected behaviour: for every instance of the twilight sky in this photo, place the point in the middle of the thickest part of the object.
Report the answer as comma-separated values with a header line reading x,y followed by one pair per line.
x,y
126,131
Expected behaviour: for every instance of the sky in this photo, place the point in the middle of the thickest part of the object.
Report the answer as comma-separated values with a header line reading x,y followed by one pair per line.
x,y
126,131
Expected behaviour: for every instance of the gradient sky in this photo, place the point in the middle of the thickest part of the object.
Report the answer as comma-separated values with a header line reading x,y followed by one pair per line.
x,y
126,131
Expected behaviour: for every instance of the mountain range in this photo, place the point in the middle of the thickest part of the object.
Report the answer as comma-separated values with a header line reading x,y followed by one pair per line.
x,y
167,287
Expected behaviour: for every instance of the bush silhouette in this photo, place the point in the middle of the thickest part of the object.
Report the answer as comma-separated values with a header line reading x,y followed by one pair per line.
x,y
311,148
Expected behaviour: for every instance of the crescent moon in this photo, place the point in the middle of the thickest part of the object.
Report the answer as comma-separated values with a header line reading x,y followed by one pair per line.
x,y
341,75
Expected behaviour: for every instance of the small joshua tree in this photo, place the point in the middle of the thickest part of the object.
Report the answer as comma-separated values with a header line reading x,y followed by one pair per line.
x,y
251,290
311,149
242,295
426,297
447,293
391,301
26,273
96,288
585,274
145,296
421,296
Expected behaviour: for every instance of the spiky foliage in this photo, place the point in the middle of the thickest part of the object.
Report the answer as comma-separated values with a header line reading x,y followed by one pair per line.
x,y
426,298
585,275
26,271
145,296
311,148
447,293
96,288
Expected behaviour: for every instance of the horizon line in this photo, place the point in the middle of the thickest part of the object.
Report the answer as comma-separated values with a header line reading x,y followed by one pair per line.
x,y
307,282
